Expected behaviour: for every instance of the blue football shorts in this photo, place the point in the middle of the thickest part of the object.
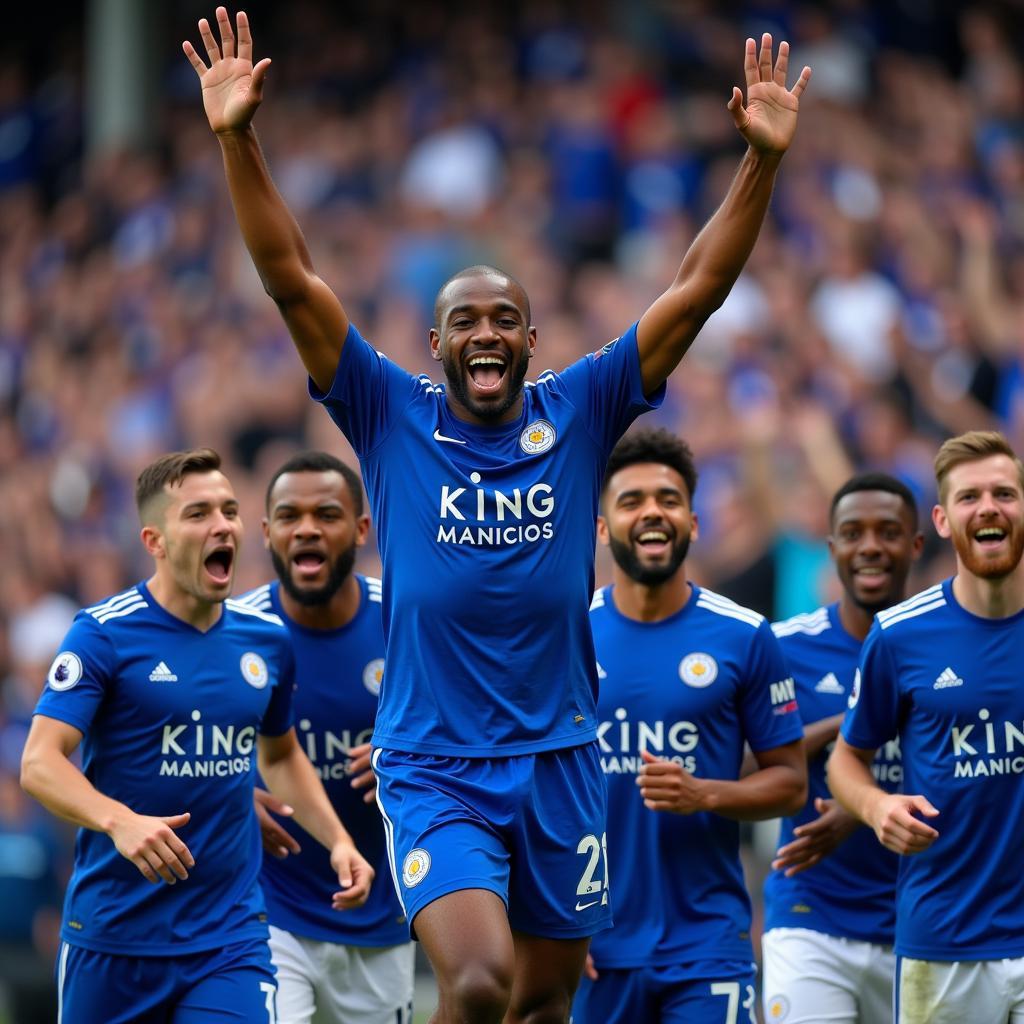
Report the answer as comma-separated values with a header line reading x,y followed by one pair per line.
x,y
530,828
230,985
669,994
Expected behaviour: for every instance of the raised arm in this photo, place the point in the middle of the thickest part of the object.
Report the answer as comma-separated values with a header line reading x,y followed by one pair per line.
x,y
717,255
232,91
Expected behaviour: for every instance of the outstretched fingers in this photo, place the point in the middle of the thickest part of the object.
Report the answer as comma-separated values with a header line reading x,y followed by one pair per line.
x,y
206,34
227,35
244,37
194,59
750,72
782,64
801,82
765,62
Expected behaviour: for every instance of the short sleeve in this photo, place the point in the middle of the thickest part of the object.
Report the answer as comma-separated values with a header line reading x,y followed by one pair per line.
x,y
368,394
277,719
768,707
80,675
605,388
873,717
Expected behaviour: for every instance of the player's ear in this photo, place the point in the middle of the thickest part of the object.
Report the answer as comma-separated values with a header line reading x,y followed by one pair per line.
x,y
941,522
602,530
435,344
153,541
695,527
265,522
362,530
531,340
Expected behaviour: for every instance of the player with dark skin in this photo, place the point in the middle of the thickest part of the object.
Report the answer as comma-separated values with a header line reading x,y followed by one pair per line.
x,y
874,543
483,337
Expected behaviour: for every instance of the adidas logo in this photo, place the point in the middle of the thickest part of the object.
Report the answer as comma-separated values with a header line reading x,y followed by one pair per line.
x,y
162,674
946,678
829,684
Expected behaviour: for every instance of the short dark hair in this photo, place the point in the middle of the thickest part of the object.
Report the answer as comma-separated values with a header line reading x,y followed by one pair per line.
x,y
320,462
875,482
171,469
653,445
477,270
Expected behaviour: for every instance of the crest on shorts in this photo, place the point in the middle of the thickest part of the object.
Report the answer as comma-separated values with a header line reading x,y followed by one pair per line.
x,y
415,867
65,671
698,669
254,670
776,1009
538,437
372,676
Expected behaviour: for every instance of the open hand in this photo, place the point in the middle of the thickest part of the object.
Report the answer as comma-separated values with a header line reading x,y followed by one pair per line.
x,y
232,87
152,845
768,121
815,839
276,841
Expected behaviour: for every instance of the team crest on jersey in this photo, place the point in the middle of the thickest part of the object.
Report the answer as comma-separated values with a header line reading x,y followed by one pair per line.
x,y
65,671
538,437
254,670
415,867
698,669
777,1009
372,676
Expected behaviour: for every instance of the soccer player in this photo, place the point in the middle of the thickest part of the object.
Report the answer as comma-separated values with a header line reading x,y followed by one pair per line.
x,y
830,903
687,677
171,688
356,967
942,671
484,492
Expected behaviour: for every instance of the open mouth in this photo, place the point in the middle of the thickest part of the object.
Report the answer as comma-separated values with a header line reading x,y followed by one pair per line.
x,y
990,536
653,541
487,371
308,563
218,564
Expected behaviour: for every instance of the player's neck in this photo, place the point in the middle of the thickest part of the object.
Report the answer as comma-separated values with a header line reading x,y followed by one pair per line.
x,y
645,603
202,615
990,598
339,611
855,619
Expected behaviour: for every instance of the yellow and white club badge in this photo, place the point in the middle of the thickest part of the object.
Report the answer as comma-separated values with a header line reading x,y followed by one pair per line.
x,y
538,437
65,671
698,670
776,1009
415,867
254,670
372,676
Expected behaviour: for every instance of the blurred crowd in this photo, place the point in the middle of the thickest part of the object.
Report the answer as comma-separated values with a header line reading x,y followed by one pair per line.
x,y
579,147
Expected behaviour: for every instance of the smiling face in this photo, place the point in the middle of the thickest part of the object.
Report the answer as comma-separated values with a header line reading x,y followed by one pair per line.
x,y
194,532
982,512
874,542
312,532
484,342
647,521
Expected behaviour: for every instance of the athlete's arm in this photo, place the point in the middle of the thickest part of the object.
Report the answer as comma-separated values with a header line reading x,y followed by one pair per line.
x,y
716,257
893,816
291,777
817,736
232,91
276,841
48,774
778,787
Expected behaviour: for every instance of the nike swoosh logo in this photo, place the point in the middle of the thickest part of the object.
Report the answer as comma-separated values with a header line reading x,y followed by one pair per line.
x,y
584,906
438,436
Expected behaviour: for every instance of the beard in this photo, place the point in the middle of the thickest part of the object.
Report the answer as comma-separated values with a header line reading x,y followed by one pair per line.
x,y
312,597
987,568
629,562
456,375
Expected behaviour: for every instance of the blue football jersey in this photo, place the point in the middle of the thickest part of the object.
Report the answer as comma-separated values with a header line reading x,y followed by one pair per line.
x,y
851,893
337,674
692,688
948,683
170,717
486,536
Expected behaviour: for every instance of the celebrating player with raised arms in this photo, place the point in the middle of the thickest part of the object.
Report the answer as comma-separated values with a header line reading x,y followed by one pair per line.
x,y
687,677
942,672
484,491
830,903
356,967
173,690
